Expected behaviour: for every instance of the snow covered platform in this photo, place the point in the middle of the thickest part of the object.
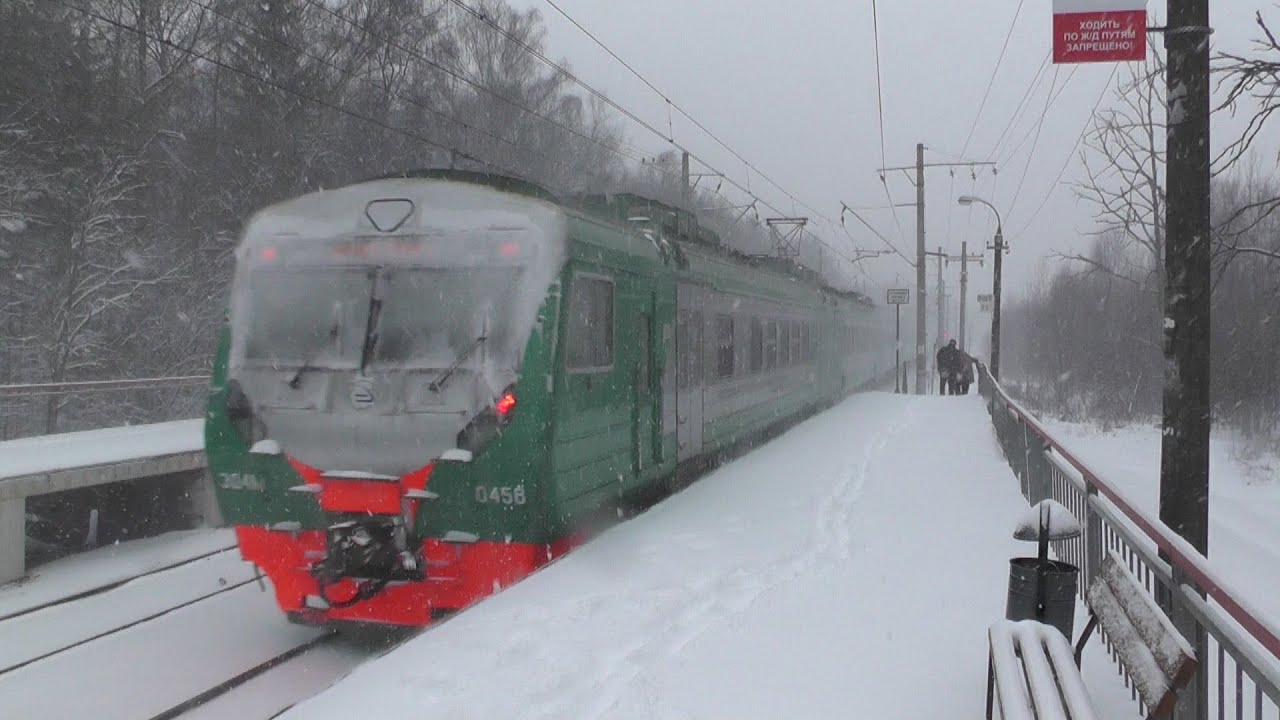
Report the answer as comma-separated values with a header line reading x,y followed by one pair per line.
x,y
850,568
69,461
47,454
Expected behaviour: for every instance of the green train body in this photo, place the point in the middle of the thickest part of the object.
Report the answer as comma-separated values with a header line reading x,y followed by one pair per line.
x,y
653,351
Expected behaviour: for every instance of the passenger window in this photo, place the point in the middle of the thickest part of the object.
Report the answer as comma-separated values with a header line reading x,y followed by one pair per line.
x,y
590,327
642,369
806,350
724,346
797,356
757,345
784,345
770,345
696,347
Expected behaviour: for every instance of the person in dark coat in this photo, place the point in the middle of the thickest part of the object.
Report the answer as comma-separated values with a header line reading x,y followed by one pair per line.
x,y
948,366
964,370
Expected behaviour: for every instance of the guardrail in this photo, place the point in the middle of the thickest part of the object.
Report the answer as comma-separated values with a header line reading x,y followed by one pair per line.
x,y
1238,649
32,409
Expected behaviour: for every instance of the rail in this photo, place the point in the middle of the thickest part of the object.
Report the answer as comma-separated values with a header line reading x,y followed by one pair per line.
x,y
49,408
1238,648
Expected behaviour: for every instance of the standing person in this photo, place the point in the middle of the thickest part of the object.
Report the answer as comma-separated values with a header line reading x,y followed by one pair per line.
x,y
948,364
964,373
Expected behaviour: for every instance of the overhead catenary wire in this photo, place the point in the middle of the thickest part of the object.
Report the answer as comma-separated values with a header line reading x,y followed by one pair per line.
x,y
669,172
875,35
994,72
1049,98
1070,155
1052,98
282,88
660,168
672,104
484,18
558,162
1023,104
450,72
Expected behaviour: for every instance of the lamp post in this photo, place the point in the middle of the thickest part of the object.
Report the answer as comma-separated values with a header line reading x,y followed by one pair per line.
x,y
1000,249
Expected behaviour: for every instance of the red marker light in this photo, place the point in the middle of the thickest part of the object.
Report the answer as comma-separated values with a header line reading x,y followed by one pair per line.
x,y
270,253
509,249
505,405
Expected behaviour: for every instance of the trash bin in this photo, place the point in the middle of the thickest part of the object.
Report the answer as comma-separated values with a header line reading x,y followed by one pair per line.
x,y
1059,580
1039,588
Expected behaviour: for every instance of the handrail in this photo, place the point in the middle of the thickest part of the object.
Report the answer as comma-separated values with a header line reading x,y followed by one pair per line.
x,y
58,388
1181,554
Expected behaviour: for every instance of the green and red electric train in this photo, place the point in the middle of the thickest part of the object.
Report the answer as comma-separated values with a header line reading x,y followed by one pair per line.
x,y
430,384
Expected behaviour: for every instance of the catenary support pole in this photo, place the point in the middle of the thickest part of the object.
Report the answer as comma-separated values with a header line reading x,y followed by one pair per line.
x,y
998,246
922,373
964,287
685,190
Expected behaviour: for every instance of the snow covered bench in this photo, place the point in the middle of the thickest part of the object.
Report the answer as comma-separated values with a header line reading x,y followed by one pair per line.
x,y
1158,658
1032,672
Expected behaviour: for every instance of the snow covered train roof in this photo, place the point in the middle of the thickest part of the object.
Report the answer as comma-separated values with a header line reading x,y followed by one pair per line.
x,y
391,204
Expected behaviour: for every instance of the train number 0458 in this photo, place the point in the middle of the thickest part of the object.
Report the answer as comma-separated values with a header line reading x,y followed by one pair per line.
x,y
490,494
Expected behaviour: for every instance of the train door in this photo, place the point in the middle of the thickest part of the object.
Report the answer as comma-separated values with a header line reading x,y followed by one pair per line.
x,y
647,396
689,336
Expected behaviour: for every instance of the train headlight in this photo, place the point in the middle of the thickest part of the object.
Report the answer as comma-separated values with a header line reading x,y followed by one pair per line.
x,y
505,406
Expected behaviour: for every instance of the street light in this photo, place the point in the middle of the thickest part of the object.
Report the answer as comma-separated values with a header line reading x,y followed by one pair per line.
x,y
1000,249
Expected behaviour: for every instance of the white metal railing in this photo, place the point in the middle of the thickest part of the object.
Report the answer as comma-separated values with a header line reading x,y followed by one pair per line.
x,y
1238,649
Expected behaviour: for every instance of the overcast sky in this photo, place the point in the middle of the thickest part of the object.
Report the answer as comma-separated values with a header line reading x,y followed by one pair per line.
x,y
792,87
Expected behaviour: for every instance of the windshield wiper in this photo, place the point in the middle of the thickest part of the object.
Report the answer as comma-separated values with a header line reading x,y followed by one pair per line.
x,y
311,357
439,382
370,332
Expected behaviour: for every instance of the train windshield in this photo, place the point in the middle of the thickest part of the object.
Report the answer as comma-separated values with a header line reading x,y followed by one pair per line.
x,y
313,316
430,316
423,317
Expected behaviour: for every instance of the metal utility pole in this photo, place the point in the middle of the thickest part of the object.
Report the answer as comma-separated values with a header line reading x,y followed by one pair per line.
x,y
922,377
964,259
1000,249
942,295
1184,447
685,189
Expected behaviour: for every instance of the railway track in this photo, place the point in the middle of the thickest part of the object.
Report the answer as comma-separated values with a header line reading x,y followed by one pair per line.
x,y
199,638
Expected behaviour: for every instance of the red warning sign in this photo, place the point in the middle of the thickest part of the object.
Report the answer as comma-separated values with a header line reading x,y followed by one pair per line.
x,y
1099,30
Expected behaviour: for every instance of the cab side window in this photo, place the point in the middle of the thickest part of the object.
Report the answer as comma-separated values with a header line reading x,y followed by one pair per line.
x,y
590,327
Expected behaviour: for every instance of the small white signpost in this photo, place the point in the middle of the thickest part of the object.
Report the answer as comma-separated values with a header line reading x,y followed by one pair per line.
x,y
897,297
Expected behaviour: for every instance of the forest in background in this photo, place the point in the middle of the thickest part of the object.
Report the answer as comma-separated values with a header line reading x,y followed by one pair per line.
x,y
136,136
1085,342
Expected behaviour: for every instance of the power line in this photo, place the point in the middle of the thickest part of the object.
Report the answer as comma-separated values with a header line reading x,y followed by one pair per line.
x,y
992,81
1048,99
673,104
496,95
854,212
1022,105
291,91
1070,155
463,79
1055,93
386,88
875,33
484,18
